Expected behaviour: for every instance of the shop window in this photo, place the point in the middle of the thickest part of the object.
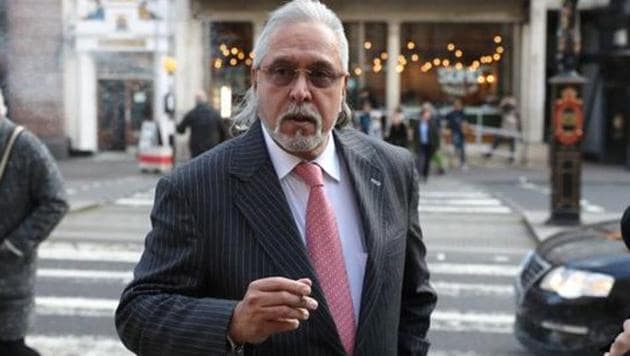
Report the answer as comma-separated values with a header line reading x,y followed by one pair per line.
x,y
367,62
440,62
230,61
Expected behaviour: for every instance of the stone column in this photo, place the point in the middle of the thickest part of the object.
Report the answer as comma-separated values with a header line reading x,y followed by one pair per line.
x,y
533,84
86,121
392,86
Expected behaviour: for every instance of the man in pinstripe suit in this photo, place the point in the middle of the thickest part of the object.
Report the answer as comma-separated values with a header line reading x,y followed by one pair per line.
x,y
230,264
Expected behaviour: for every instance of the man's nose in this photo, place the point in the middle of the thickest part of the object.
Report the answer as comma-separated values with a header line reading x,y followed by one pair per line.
x,y
300,89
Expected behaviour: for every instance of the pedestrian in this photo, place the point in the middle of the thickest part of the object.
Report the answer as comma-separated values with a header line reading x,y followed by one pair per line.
x,y
300,236
398,129
621,345
427,139
456,123
510,127
32,202
206,126
365,117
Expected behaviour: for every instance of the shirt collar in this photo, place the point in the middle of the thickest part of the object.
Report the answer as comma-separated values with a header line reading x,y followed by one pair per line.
x,y
284,162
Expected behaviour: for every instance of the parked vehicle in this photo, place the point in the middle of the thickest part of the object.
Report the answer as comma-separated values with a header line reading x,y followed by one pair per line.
x,y
573,292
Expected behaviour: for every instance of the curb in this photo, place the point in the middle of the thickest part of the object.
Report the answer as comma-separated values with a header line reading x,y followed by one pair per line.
x,y
535,221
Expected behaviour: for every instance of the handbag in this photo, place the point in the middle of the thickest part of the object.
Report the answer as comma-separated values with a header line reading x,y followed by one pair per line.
x,y
7,150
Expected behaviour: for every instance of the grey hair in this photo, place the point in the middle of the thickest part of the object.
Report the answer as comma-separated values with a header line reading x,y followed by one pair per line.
x,y
3,107
296,11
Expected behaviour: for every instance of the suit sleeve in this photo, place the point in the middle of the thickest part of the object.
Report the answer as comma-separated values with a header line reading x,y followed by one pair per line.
x,y
163,311
418,297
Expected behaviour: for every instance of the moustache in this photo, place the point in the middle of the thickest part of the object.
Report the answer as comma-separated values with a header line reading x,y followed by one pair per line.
x,y
302,113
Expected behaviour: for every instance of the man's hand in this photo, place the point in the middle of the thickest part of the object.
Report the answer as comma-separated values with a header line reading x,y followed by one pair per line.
x,y
271,305
622,343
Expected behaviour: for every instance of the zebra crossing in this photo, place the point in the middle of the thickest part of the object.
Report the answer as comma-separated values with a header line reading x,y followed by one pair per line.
x,y
89,259
449,197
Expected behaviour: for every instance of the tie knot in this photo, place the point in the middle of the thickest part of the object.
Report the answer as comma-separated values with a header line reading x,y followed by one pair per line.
x,y
310,173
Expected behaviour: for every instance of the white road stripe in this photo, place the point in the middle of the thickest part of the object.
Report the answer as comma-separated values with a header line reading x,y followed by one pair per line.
x,y
73,254
453,194
79,307
73,345
474,269
465,209
457,321
478,249
84,274
461,202
472,289
135,201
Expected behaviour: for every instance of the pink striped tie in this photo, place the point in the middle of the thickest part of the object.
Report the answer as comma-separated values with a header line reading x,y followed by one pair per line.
x,y
324,248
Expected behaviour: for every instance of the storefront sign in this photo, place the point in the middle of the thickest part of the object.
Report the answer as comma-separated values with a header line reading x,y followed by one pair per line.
x,y
568,118
458,82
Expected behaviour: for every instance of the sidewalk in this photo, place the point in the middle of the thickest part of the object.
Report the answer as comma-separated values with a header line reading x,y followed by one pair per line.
x,y
103,177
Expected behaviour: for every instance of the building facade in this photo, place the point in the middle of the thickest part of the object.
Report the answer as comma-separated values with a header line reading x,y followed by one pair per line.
x,y
31,68
84,74
114,74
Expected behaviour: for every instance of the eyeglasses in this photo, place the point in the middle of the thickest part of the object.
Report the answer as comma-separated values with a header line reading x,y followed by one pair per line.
x,y
282,76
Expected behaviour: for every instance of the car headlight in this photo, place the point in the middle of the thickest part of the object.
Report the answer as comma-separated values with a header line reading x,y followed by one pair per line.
x,y
571,283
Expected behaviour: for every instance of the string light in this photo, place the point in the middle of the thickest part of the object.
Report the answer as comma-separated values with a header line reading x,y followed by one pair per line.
x,y
241,55
459,66
402,59
446,62
411,45
376,61
500,49
415,57
367,45
481,79
358,71
459,53
218,63
496,57
451,47
490,78
233,62
234,51
436,61
248,62
384,56
497,39
399,68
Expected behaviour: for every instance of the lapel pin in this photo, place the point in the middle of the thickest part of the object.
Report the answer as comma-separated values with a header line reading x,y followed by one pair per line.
x,y
375,182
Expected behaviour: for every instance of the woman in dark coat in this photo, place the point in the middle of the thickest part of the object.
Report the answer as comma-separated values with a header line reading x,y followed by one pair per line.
x,y
32,202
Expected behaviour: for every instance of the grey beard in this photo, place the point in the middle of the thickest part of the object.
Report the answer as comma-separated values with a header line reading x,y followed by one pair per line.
x,y
299,142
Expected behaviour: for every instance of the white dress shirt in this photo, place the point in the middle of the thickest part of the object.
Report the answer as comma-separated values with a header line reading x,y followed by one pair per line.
x,y
340,194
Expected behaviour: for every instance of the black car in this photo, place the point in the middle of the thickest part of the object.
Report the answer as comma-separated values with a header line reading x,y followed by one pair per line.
x,y
573,292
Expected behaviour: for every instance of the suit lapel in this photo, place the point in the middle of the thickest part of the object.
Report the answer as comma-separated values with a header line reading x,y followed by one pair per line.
x,y
367,180
262,202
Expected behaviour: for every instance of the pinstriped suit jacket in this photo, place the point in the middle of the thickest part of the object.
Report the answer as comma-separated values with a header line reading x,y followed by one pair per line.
x,y
222,221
